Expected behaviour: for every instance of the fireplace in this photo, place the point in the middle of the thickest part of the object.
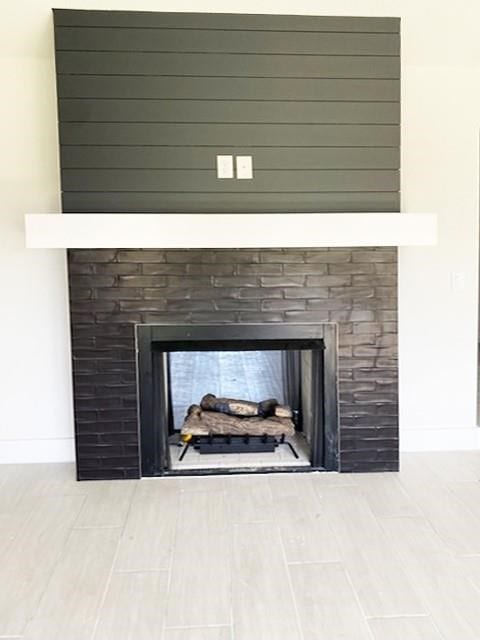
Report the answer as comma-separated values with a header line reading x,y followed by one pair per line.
x,y
143,127
296,364
124,300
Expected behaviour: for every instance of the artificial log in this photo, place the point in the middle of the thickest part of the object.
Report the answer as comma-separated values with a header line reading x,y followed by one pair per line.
x,y
283,411
204,423
245,408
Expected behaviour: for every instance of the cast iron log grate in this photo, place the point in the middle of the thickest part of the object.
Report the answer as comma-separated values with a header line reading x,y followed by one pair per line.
x,y
236,444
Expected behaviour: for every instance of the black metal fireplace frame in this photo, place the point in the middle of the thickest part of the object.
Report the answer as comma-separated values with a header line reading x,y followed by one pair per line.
x,y
154,342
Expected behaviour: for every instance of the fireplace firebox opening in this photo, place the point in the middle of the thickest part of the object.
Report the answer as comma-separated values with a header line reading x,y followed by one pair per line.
x,y
237,398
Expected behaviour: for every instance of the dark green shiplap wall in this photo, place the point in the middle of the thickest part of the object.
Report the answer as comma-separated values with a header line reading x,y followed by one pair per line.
x,y
148,100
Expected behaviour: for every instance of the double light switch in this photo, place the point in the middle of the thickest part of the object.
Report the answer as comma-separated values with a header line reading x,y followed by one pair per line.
x,y
244,167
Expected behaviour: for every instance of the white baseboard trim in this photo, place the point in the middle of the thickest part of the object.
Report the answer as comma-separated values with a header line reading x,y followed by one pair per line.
x,y
44,450
431,439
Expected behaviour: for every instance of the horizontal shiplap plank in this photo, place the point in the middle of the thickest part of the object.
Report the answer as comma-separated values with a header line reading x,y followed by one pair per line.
x,y
211,41
118,202
206,180
115,157
151,87
225,64
262,22
255,111
253,135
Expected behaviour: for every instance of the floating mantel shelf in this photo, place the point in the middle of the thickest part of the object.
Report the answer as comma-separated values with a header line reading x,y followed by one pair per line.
x,y
228,230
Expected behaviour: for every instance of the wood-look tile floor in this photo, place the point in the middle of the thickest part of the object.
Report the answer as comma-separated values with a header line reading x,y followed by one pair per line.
x,y
279,557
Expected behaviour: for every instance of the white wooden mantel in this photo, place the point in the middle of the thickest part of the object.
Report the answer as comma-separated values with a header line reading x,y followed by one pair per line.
x,y
228,230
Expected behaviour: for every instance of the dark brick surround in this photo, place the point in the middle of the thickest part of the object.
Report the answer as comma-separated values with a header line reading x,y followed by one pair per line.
x,y
112,290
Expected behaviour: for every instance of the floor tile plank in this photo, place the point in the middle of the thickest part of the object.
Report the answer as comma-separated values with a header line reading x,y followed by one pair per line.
x,y
324,479
452,466
468,493
107,504
327,604
385,495
30,559
200,585
143,596
148,537
72,599
405,545
450,598
201,483
249,499
455,523
470,569
306,533
263,605
367,556
59,479
416,628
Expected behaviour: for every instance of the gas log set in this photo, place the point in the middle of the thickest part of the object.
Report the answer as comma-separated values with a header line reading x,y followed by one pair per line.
x,y
226,425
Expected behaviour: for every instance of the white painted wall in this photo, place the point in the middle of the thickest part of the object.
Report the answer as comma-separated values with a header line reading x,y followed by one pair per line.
x,y
35,394
440,123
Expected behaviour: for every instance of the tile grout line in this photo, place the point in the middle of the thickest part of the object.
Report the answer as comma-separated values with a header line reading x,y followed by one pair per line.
x,y
114,559
104,527
429,616
133,571
196,626
399,616
300,563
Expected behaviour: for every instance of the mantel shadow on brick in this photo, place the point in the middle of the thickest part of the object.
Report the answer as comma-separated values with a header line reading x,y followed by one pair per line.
x,y
112,290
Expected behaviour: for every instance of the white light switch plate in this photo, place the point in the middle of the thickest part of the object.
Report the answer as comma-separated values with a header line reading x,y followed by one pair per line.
x,y
224,166
244,167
